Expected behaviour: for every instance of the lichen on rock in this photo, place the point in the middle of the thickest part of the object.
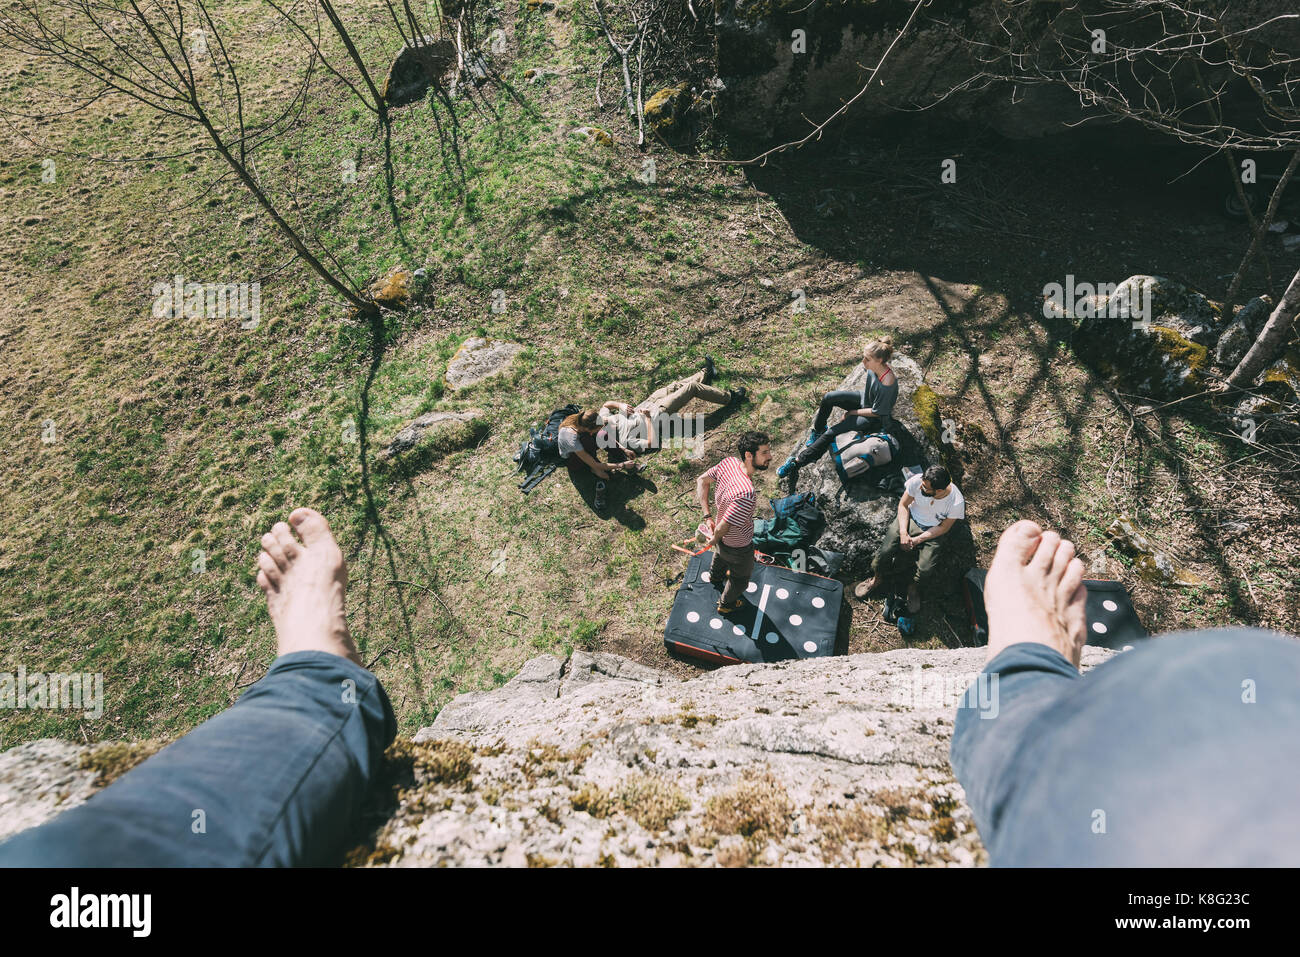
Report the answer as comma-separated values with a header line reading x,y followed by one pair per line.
x,y
663,110
1152,334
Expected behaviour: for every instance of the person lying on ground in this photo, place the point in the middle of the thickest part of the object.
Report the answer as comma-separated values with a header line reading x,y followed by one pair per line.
x,y
931,504
279,778
576,443
733,527
1166,755
870,410
637,429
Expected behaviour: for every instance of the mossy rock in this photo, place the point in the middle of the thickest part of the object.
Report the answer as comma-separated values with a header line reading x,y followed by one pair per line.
x,y
430,439
392,291
926,403
111,760
664,110
929,413
1277,390
1285,372
1158,363
594,134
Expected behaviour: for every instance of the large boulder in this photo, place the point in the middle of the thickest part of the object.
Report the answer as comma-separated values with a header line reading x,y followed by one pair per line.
x,y
858,513
1242,332
430,60
1154,335
774,80
599,761
782,63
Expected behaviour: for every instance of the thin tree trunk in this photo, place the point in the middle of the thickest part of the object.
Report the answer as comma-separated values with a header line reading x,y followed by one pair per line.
x,y
1271,337
342,31
1230,300
295,240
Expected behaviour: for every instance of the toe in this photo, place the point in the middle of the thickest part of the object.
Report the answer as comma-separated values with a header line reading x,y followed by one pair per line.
x,y
270,546
269,568
1071,588
1042,560
1019,541
311,525
284,536
263,582
1061,560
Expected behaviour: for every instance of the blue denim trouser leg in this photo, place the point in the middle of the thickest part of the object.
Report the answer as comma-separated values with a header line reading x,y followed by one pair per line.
x,y
1183,751
276,780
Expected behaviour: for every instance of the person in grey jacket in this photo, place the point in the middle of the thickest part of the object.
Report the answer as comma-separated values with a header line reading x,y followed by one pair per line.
x,y
870,410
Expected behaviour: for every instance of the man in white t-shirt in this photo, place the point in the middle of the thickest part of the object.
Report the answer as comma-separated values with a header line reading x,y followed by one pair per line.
x,y
930,506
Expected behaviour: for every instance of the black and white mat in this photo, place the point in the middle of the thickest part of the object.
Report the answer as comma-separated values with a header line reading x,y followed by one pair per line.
x,y
787,614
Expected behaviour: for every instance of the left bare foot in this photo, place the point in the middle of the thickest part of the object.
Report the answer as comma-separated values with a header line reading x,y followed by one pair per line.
x,y
305,584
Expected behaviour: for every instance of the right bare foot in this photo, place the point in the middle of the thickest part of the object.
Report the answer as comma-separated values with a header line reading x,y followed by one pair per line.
x,y
1035,592
305,584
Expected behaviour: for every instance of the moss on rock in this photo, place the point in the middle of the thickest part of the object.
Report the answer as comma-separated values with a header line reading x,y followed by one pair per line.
x,y
392,291
663,110
114,758
926,403
434,446
651,801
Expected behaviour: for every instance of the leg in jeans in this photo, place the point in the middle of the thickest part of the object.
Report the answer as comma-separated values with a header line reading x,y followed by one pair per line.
x,y
1165,755
848,400
730,571
1158,757
279,778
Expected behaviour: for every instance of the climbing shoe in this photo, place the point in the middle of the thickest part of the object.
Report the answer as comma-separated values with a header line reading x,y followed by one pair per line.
x,y
789,466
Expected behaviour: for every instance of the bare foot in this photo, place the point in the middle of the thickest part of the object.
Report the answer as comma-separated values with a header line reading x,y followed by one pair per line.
x,y
305,584
1034,592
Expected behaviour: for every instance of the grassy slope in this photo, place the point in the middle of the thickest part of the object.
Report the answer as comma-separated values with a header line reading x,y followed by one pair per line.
x,y
175,435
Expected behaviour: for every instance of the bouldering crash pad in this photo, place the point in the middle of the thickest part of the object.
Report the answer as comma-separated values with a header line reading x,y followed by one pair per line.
x,y
788,614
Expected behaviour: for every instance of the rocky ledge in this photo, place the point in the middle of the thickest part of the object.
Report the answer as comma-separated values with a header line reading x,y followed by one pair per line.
x,y
599,761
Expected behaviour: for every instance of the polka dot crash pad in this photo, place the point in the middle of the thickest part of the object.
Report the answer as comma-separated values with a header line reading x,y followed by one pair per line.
x,y
787,614
1112,621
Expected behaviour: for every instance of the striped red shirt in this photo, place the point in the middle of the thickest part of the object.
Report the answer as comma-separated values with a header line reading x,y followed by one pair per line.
x,y
734,494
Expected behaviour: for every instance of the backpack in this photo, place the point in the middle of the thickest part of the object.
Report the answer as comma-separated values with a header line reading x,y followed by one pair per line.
x,y
538,455
855,453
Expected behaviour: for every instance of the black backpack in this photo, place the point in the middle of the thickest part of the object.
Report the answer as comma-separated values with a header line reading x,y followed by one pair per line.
x,y
538,456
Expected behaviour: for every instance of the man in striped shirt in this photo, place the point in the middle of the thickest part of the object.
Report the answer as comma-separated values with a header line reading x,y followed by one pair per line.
x,y
733,529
